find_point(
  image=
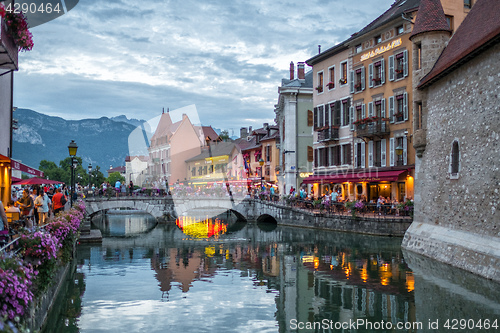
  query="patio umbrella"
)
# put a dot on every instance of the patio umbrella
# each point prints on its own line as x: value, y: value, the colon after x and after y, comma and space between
x: 36, y: 181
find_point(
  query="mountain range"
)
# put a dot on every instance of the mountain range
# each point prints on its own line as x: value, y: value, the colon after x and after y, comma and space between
x: 103, y: 141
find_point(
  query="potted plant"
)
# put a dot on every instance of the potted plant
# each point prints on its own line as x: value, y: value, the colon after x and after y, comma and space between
x: 330, y: 85
x: 17, y: 28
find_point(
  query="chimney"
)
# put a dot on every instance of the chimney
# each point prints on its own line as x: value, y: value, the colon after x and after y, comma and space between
x: 243, y: 132
x: 300, y: 71
x: 319, y: 49
x: 292, y: 70
x: 250, y: 130
x: 184, y: 116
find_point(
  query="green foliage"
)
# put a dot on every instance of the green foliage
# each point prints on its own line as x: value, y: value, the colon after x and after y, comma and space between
x: 62, y: 172
x: 113, y: 177
x: 224, y: 135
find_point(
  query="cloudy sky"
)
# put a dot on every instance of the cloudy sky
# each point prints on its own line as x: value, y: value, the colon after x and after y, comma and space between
x: 113, y: 57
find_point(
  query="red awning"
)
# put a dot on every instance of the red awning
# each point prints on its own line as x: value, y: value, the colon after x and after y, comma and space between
x: 380, y: 176
x: 24, y: 168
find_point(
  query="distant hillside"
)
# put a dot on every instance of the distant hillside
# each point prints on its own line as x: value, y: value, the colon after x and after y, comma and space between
x: 102, y: 141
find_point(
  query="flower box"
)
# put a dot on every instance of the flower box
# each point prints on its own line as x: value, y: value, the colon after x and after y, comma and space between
x: 8, y: 49
x: 330, y: 85
x: 343, y: 81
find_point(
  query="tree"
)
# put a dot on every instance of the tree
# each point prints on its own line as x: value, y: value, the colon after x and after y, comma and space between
x: 97, y: 178
x: 113, y: 177
x: 224, y: 135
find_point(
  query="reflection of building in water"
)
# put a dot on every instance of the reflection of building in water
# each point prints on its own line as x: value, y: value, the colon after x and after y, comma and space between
x: 198, y: 228
x: 320, y: 284
x: 182, y: 266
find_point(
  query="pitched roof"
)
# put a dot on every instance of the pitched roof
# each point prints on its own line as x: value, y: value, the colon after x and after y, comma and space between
x: 398, y: 8
x: 210, y: 132
x: 479, y: 31
x: 120, y: 169
x: 163, y: 128
x: 430, y: 17
x: 219, y: 149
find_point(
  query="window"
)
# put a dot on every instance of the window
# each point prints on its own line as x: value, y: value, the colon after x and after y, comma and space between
x: 418, y: 115
x: 211, y: 169
x: 358, y: 80
x: 346, y: 154
x: 268, y: 153
x: 398, y: 107
x: 205, y: 170
x: 193, y: 172
x: 398, y: 66
x: 345, y: 112
x: 455, y: 160
x: 449, y: 20
x: 378, y: 39
x: 376, y: 73
x: 310, y: 154
x: 321, y: 114
x: 359, y: 48
x: 418, y: 63
x: 331, y: 74
x: 359, y: 155
x: 319, y: 87
x: 398, y: 115
x: 310, y: 118
x: 400, y: 30
x: 468, y: 4
x: 399, y: 157
x: 359, y: 112
x: 343, y: 79
x: 377, y: 155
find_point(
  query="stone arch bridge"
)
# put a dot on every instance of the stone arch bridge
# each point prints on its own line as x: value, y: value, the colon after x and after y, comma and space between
x: 249, y: 209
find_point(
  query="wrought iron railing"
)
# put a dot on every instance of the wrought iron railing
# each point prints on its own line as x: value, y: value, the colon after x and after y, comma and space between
x: 378, y: 127
x: 328, y: 134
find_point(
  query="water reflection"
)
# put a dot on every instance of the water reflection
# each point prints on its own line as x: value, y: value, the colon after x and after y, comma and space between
x: 124, y: 223
x: 250, y: 280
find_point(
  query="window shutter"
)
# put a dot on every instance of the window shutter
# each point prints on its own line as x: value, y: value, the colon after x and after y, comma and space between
x: 363, y: 111
x: 405, y: 63
x: 363, y: 147
x: 383, y: 148
x: 370, y: 109
x: 405, y: 151
x: 320, y: 114
x: 391, y: 109
x: 310, y: 118
x: 391, y: 152
x: 382, y: 71
x: 315, y: 115
x: 382, y: 109
x: 327, y: 115
x: 351, y: 113
x: 370, y: 154
x: 363, y: 78
x: 391, y: 68
x: 315, y: 158
x: 405, y: 105
x: 310, y: 154
x: 337, y: 113
x: 349, y: 153
x: 370, y: 75
x: 356, y: 157
x: 351, y: 82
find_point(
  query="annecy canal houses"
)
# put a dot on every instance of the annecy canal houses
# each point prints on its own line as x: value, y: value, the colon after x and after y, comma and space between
x: 363, y: 110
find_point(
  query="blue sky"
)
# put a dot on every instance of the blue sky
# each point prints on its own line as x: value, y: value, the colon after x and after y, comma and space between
x: 107, y: 58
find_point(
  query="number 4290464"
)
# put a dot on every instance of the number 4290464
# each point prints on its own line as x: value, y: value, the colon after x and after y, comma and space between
x: 33, y: 8
x: 462, y: 324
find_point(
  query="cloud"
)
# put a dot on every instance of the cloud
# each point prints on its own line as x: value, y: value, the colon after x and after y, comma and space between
x: 106, y: 58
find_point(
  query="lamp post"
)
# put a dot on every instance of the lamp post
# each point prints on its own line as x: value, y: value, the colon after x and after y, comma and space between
x: 90, y: 174
x: 72, y: 148
x: 261, y: 162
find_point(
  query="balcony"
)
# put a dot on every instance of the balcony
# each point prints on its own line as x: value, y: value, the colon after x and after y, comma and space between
x: 328, y: 134
x: 375, y: 127
x: 8, y: 49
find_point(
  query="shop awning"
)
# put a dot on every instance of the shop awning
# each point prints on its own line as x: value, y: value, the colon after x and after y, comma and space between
x: 376, y: 176
x: 24, y: 168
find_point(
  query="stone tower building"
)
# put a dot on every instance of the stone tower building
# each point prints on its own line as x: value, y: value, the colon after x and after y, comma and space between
x: 457, y: 172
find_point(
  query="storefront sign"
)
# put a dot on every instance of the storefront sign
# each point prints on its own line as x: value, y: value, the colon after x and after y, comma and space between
x: 381, y: 49
x: 24, y: 168
x: 305, y: 174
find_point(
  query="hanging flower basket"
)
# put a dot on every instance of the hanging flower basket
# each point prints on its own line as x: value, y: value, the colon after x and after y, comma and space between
x: 17, y: 28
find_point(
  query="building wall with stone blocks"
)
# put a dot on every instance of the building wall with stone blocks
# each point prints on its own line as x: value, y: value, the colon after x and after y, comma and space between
x: 457, y: 218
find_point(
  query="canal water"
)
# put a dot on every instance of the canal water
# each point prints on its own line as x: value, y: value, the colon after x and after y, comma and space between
x: 222, y: 275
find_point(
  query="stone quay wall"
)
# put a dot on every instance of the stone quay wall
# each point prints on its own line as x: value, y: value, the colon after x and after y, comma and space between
x: 457, y: 215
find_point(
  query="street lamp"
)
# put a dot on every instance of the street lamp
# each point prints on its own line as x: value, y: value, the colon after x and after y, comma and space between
x: 90, y: 174
x: 261, y: 162
x: 72, y: 148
